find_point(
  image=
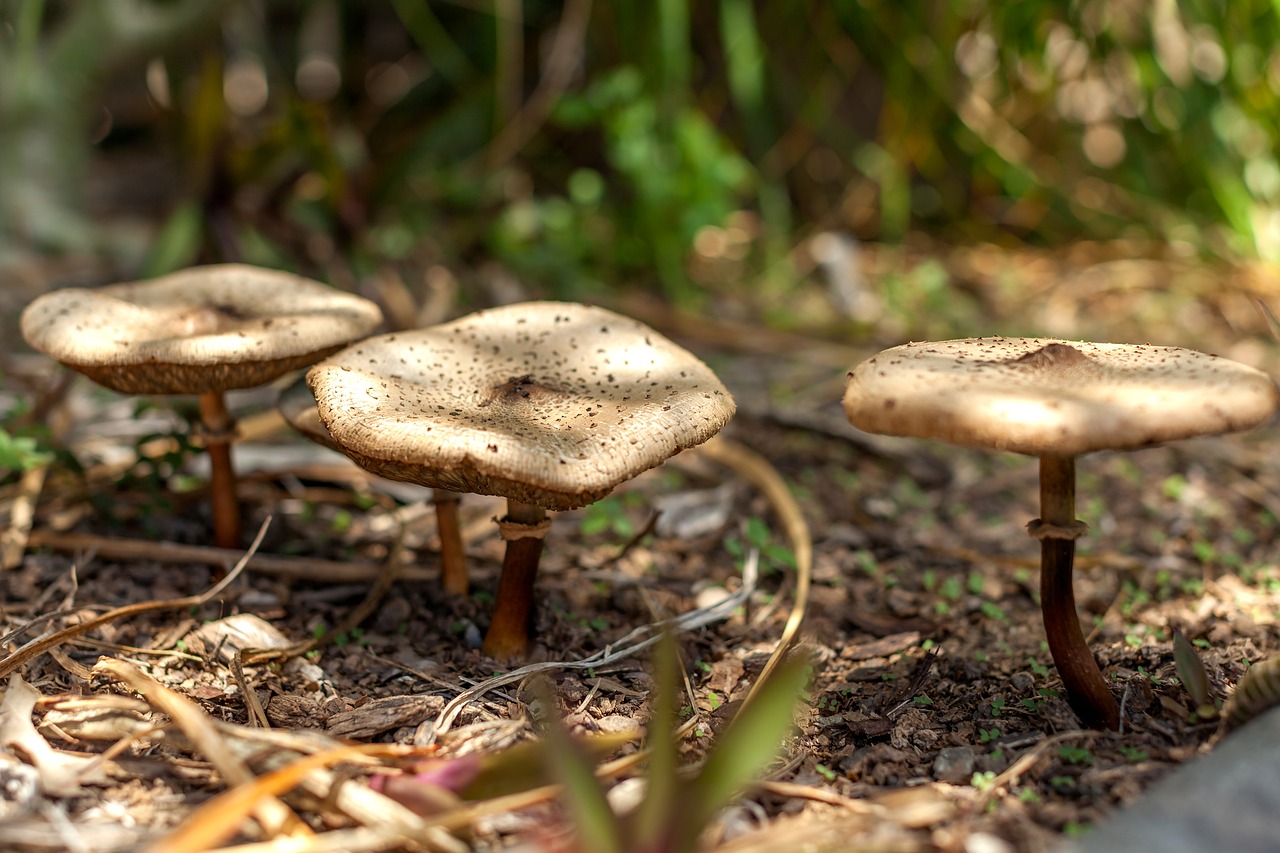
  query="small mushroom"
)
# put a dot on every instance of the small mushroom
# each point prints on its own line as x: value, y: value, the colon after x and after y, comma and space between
x: 298, y: 406
x: 1056, y: 400
x: 550, y: 405
x: 205, y: 331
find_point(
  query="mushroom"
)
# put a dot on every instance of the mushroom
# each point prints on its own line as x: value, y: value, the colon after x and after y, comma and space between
x: 550, y: 405
x: 1055, y: 400
x: 298, y: 406
x: 205, y: 331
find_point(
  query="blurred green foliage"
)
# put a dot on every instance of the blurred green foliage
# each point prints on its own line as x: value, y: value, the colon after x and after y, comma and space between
x: 691, y: 147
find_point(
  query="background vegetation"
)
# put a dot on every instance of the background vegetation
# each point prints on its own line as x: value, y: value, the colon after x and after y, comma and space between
x: 719, y: 148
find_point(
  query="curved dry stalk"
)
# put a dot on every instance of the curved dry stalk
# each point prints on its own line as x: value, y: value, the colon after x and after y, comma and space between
x: 757, y: 470
x: 42, y: 644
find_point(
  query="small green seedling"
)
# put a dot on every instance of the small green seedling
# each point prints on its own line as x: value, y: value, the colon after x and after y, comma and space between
x: 1074, y: 754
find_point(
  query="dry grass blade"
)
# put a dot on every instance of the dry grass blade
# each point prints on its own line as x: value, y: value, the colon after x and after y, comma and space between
x: 217, y: 819
x: 42, y: 644
x: 337, y: 841
x: 757, y: 470
x: 204, y: 735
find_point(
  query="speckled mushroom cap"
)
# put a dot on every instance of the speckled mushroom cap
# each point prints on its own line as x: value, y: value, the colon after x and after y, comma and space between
x: 211, y: 328
x: 298, y: 406
x: 547, y: 403
x: 1042, y: 397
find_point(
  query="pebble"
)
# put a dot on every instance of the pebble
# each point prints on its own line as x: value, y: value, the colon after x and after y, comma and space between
x: 1227, y: 800
x: 617, y: 724
x: 954, y: 764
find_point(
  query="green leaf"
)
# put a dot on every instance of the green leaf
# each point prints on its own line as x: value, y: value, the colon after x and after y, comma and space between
x: 656, y: 816
x: 20, y: 453
x: 583, y: 795
x: 178, y: 243
x: 749, y: 743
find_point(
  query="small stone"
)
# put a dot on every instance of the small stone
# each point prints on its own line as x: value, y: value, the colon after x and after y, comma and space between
x: 617, y: 724
x: 627, y: 795
x: 954, y: 764
x: 985, y: 842
x: 393, y: 613
x: 471, y: 636
x: 710, y: 596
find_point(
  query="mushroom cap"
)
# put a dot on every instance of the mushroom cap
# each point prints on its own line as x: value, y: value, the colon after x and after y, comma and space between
x: 297, y: 405
x: 211, y: 328
x: 547, y: 403
x: 1047, y: 397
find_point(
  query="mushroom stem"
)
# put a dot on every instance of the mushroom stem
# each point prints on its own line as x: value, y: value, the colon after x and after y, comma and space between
x: 453, y: 560
x: 219, y: 430
x: 1057, y: 529
x: 512, y: 624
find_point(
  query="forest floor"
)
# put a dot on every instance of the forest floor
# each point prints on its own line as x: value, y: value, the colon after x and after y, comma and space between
x: 933, y: 720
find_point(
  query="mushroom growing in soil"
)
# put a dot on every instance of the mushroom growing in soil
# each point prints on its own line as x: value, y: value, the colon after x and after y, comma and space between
x: 1056, y: 400
x: 550, y: 405
x: 298, y: 406
x: 205, y: 331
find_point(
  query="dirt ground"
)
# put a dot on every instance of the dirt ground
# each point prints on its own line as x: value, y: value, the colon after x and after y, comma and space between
x: 933, y: 720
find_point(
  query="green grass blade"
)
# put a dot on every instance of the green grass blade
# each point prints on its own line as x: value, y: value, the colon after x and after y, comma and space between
x: 744, y: 749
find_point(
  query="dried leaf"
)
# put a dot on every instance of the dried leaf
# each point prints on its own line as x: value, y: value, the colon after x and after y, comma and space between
x: 1193, y: 675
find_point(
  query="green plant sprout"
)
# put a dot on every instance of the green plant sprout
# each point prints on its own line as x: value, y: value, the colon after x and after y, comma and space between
x: 756, y: 535
x: 1074, y: 754
x: 21, y: 453
x: 677, y: 806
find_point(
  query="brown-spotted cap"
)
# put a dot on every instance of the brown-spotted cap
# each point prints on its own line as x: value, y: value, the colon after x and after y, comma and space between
x: 297, y: 405
x: 548, y: 403
x: 1045, y: 397
x: 211, y: 328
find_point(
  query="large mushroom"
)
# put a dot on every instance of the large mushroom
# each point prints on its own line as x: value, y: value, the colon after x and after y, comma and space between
x: 1056, y: 400
x: 550, y: 405
x: 205, y: 331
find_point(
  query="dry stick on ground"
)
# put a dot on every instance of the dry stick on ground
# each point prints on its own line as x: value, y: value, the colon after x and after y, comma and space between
x: 217, y: 819
x: 42, y: 644
x: 325, y: 571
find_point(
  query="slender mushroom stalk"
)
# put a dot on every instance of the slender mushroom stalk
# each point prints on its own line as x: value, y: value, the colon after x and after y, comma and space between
x: 453, y: 559
x: 524, y: 528
x: 219, y: 432
x: 1057, y: 529
x: 1056, y: 400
